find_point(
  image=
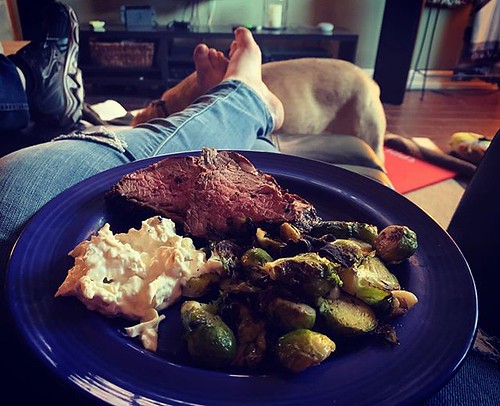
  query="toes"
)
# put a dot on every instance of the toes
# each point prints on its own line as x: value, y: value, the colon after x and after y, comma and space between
x: 244, y: 37
x: 218, y: 60
x: 212, y: 56
x: 201, y: 58
x: 243, y: 40
x: 232, y: 48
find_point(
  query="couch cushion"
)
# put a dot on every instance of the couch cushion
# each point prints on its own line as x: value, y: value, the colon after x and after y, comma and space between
x: 346, y: 151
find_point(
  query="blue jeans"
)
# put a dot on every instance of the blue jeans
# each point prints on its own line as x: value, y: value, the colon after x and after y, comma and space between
x: 33, y: 176
x: 14, y: 110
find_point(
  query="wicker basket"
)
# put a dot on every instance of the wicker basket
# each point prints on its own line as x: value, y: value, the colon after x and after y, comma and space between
x: 125, y: 54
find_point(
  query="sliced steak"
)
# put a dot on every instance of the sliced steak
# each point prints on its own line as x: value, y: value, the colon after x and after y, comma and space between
x: 213, y: 194
x: 163, y: 188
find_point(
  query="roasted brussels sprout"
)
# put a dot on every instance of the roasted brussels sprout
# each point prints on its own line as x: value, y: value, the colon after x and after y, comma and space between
x: 403, y: 301
x: 293, y: 248
x: 286, y: 292
x: 255, y: 258
x: 228, y: 254
x: 364, y: 246
x: 194, y: 313
x: 266, y: 242
x: 237, y: 286
x: 198, y: 286
x: 303, y: 348
x: 249, y: 329
x: 253, y: 261
x: 252, y: 343
x: 289, y: 232
x: 289, y: 315
x: 396, y: 243
x: 370, y: 281
x: 346, y: 229
x: 210, y: 341
x: 347, y: 316
x: 314, y: 275
x: 344, y: 252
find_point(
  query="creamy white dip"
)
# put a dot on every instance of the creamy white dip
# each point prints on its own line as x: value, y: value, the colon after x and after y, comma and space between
x: 130, y: 274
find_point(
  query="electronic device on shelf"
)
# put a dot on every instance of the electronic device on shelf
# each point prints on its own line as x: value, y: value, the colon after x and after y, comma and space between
x: 138, y: 16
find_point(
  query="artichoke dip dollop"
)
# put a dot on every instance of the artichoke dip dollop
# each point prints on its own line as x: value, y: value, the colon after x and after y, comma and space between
x: 134, y: 274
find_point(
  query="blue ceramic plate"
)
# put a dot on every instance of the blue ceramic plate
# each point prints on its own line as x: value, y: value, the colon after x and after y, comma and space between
x: 91, y: 352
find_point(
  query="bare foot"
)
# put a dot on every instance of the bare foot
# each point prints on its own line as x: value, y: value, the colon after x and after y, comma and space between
x: 245, y: 64
x: 211, y: 66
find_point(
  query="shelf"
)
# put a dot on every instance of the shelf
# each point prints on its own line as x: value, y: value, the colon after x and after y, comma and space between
x: 131, y: 81
x: 173, y: 56
x: 94, y: 69
x: 180, y: 59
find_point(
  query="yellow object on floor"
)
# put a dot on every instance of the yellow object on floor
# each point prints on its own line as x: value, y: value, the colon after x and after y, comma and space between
x: 469, y: 146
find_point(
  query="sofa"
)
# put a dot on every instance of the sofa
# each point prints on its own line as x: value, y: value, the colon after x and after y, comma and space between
x: 346, y: 151
x: 472, y: 229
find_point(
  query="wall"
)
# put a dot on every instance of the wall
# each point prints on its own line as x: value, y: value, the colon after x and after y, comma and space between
x: 448, y: 37
x: 361, y: 16
x: 6, y: 31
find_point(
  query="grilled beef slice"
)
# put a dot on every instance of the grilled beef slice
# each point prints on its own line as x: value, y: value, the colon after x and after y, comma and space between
x: 211, y: 195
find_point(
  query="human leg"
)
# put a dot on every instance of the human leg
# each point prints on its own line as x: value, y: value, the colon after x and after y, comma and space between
x: 211, y: 66
x: 234, y: 109
x: 246, y: 66
x: 14, y: 110
x: 232, y: 115
x: 243, y: 71
x: 50, y: 66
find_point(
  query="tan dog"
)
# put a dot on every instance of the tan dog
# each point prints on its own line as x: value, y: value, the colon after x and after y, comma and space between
x: 319, y: 95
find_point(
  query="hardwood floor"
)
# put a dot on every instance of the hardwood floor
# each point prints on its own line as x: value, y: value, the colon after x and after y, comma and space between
x: 444, y: 112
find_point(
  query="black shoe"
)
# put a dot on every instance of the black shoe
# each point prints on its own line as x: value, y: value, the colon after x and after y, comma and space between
x: 53, y: 80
